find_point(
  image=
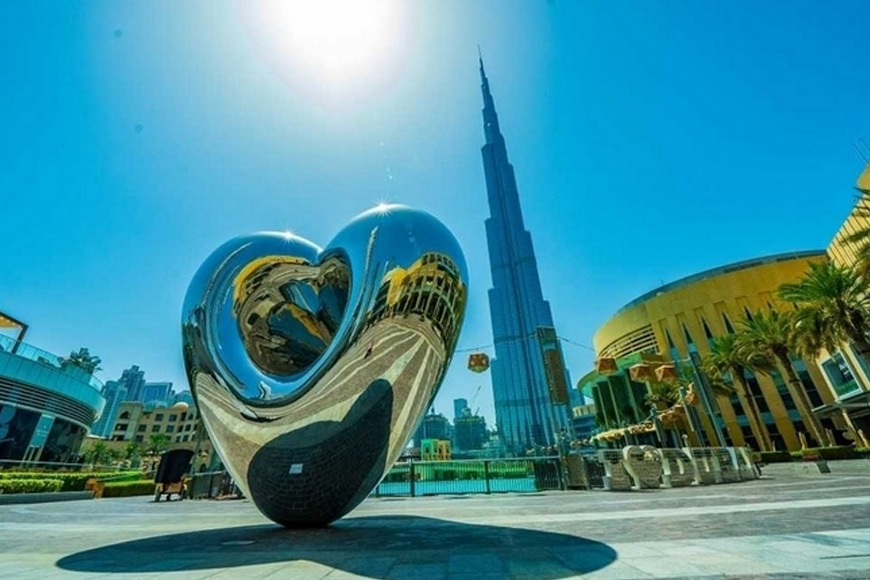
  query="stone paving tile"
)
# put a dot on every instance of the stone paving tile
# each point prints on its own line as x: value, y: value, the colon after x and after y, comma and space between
x: 376, y: 566
x: 475, y: 563
x: 418, y: 572
x: 666, y: 567
x: 803, y: 531
x: 618, y: 570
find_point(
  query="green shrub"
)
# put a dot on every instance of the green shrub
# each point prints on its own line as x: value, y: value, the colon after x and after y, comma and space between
x: 862, y: 451
x: 72, y: 481
x: 128, y: 488
x: 29, y: 485
x: 771, y: 457
x: 829, y: 453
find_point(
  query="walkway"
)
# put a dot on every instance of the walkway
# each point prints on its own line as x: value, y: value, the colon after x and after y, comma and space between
x: 809, y: 528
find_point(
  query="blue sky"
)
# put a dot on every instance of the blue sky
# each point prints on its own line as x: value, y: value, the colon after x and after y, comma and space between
x: 650, y: 141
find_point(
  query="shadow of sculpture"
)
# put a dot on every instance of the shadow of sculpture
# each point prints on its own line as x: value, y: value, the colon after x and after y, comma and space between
x: 376, y: 547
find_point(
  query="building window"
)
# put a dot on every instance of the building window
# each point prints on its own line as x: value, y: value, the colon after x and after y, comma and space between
x: 121, y: 427
x: 158, y: 417
x: 184, y: 416
x: 124, y: 415
x: 170, y: 428
x: 728, y: 327
x: 755, y: 392
x: 707, y: 334
x: 809, y: 386
x: 141, y: 428
x: 840, y: 375
x: 155, y: 428
x: 173, y: 418
x: 689, y: 342
x: 178, y: 438
x: 139, y: 438
x: 186, y: 438
x: 187, y: 427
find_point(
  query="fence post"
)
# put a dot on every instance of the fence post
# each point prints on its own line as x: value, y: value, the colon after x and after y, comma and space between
x: 486, y: 475
x: 412, y: 478
x: 561, y: 465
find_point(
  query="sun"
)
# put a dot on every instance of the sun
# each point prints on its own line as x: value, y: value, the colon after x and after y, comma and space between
x: 331, y: 42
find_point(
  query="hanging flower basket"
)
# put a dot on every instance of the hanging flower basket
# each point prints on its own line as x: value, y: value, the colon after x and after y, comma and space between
x: 606, y: 365
x: 478, y: 362
x: 666, y: 373
x: 641, y: 372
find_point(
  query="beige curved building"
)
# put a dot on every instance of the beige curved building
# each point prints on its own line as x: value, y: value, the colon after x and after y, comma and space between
x: 677, y: 321
x: 681, y: 319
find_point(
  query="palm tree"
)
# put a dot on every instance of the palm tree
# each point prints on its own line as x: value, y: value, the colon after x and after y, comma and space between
x: 833, y: 308
x: 663, y: 395
x: 157, y: 444
x: 772, y: 335
x: 98, y: 454
x: 131, y: 450
x: 861, y: 238
x: 727, y: 357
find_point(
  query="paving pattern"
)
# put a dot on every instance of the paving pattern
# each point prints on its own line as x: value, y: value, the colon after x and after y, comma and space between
x: 809, y: 527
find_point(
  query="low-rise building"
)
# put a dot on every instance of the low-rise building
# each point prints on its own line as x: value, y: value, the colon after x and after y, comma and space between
x: 435, y: 450
x: 47, y: 402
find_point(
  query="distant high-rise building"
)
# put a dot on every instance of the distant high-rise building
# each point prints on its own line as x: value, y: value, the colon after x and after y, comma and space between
x: 522, y: 324
x: 134, y: 380
x: 469, y: 432
x: 115, y: 393
x: 433, y: 426
x: 459, y: 405
x: 161, y: 393
x: 183, y: 397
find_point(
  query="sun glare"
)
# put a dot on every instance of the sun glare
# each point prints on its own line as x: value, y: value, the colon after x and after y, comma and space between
x: 331, y: 41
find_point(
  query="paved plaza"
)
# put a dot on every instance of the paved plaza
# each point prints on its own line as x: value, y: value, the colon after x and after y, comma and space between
x: 808, y: 527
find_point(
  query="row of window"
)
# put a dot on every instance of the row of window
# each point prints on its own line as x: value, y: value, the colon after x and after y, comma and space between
x: 178, y: 438
x: 155, y: 428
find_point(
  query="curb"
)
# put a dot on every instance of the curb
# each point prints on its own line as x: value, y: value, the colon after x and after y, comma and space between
x: 20, y: 498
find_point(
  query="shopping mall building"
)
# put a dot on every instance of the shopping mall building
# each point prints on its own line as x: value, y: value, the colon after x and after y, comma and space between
x: 47, y: 403
x: 675, y: 325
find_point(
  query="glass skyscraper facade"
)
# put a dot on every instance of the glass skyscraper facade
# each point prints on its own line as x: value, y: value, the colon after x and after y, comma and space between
x: 525, y: 415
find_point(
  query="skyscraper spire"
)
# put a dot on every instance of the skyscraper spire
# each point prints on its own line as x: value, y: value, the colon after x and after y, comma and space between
x: 490, y: 118
x: 525, y: 414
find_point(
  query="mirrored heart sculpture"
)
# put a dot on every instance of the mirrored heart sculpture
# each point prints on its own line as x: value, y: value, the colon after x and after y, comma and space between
x: 312, y: 367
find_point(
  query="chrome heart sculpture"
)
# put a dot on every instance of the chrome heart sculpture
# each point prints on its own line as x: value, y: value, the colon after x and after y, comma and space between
x: 311, y: 368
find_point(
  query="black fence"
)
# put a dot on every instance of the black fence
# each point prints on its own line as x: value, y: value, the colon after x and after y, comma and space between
x: 211, y: 485
x: 421, y: 478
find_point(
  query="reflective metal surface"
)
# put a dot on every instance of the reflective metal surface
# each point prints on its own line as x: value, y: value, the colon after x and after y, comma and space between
x: 311, y: 368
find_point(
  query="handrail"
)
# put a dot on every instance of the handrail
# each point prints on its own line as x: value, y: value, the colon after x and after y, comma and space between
x: 9, y: 345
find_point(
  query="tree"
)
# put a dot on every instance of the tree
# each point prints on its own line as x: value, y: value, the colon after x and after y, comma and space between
x: 98, y: 454
x: 84, y: 360
x: 772, y: 335
x: 131, y: 450
x: 729, y: 361
x: 861, y: 237
x: 157, y: 444
x: 663, y: 395
x: 833, y: 309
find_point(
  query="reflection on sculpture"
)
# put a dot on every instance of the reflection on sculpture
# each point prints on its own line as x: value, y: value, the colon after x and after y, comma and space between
x: 311, y: 367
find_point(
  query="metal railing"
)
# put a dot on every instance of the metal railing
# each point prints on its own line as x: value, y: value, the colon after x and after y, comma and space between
x: 212, y: 484
x: 27, y: 351
x: 419, y: 478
